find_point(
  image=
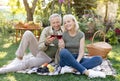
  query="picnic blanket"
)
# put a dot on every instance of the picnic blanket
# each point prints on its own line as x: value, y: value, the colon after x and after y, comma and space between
x: 105, y: 67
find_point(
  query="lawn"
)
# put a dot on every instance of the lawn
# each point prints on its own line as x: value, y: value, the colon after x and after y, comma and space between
x: 7, y: 53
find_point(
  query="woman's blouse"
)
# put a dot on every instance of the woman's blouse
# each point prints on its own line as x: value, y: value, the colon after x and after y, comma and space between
x: 72, y: 43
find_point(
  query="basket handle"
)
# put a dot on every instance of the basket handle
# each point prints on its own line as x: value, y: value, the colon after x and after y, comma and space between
x: 96, y: 33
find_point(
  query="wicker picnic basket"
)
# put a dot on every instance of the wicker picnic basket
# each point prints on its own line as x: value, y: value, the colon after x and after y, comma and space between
x: 99, y: 48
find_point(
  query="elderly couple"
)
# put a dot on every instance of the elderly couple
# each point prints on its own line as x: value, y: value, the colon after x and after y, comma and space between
x: 71, y: 48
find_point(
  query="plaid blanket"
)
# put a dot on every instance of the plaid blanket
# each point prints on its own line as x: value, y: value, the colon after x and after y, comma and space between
x: 105, y: 67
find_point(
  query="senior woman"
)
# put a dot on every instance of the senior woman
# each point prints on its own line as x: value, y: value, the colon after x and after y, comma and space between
x: 72, y: 49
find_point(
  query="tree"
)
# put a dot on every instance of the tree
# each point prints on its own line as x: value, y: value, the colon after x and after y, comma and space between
x: 16, y: 8
x: 81, y: 5
x: 30, y: 10
x: 110, y: 11
x: 23, y: 6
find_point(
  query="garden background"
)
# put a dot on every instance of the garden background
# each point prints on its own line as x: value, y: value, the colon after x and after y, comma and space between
x: 92, y: 15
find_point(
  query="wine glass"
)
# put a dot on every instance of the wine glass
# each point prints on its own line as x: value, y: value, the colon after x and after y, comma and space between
x: 59, y: 35
x: 54, y: 34
x: 51, y: 37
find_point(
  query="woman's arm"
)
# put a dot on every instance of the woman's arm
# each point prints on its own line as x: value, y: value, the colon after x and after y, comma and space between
x: 81, y: 49
x: 61, y: 44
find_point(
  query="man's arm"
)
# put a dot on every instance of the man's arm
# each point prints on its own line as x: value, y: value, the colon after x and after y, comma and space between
x: 43, y: 36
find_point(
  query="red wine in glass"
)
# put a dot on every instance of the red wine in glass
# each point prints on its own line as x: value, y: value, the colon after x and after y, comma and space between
x: 53, y: 35
x: 59, y: 36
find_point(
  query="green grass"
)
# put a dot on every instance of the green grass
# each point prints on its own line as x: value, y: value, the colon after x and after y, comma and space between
x: 7, y: 53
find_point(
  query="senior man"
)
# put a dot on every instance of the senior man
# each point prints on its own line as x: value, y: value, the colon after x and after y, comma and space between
x: 42, y: 51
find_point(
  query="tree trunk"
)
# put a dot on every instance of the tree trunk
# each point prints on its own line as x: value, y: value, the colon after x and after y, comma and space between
x: 52, y: 7
x: 69, y: 11
x: 106, y: 12
x: 30, y: 10
x: 106, y: 22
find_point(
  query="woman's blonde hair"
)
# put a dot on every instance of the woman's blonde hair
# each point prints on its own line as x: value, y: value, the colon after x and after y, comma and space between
x: 74, y: 19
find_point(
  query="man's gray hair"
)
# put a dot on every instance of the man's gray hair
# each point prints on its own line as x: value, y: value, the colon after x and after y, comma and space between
x: 55, y: 15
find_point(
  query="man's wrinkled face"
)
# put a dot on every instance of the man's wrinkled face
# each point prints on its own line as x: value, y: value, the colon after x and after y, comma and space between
x: 55, y: 23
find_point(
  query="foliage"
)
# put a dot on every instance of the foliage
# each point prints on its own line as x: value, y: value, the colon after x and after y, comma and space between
x: 45, y: 22
x: 117, y: 24
x: 6, y: 24
x: 7, y: 27
x: 100, y: 27
x: 43, y: 13
x: 77, y: 7
x: 16, y: 7
x: 84, y: 22
x: 23, y: 7
x: 81, y: 5
x: 118, y: 11
x: 42, y: 20
x: 83, y: 25
x: 111, y: 36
